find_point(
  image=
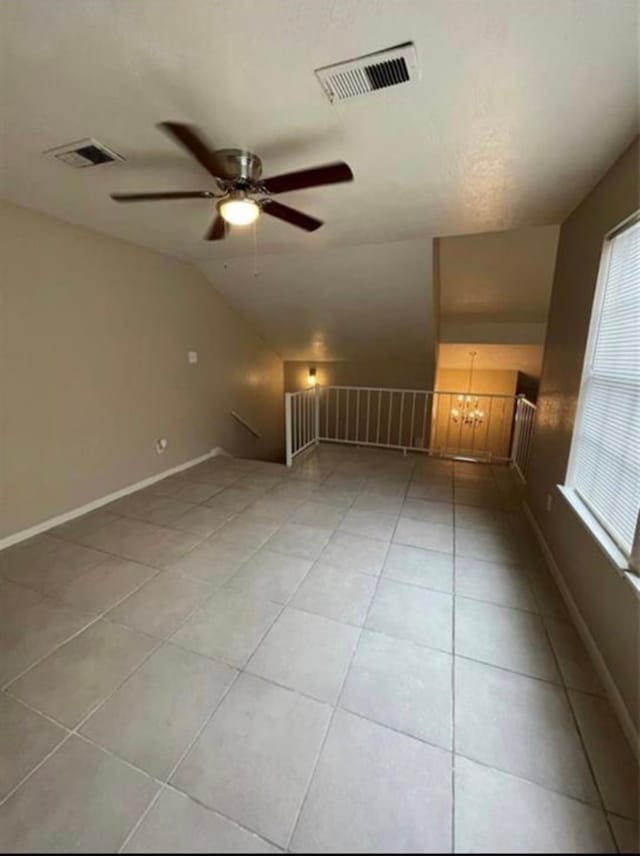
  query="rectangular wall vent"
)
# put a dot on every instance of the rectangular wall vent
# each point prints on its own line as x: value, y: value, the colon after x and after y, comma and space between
x: 83, y: 153
x: 369, y: 73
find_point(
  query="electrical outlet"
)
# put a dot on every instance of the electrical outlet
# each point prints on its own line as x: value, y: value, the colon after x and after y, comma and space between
x: 161, y: 445
x: 549, y: 502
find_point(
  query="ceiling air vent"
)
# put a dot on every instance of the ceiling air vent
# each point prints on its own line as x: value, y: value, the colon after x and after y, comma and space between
x: 368, y: 73
x: 83, y: 153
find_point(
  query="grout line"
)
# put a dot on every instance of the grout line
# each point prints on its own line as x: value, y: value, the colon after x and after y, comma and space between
x: 161, y: 643
x: 453, y: 683
x: 581, y: 740
x: 164, y: 781
x: 338, y: 701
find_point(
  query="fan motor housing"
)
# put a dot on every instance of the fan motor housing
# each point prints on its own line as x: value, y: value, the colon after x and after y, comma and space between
x: 240, y: 165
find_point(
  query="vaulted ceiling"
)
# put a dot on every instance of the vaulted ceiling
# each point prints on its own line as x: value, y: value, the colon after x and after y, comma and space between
x: 520, y: 107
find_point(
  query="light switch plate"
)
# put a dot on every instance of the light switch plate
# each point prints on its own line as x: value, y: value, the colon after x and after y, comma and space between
x: 192, y: 356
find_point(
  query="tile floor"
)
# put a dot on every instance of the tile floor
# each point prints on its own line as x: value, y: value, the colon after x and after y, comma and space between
x: 362, y: 654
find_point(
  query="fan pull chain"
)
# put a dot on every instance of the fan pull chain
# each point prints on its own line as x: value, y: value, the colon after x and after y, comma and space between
x: 255, y: 248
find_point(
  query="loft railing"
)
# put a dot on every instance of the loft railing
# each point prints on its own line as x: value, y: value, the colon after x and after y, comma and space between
x: 475, y: 426
x: 522, y: 436
x: 301, y: 413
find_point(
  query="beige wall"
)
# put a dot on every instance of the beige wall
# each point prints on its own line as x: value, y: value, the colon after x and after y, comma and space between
x: 94, y: 334
x: 605, y: 600
x: 394, y: 374
x: 493, y: 436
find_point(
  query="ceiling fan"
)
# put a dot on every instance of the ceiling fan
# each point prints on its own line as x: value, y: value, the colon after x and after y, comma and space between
x: 238, y: 178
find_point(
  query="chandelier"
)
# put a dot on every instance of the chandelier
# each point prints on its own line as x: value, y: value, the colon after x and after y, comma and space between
x: 467, y: 410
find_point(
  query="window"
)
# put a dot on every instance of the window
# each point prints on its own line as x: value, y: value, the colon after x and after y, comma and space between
x: 604, y: 465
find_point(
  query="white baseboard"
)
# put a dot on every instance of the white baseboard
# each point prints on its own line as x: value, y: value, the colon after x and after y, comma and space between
x: 16, y: 537
x: 625, y: 718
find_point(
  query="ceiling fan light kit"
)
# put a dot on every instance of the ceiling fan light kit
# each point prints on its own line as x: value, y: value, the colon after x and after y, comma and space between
x: 238, y: 178
x: 238, y: 209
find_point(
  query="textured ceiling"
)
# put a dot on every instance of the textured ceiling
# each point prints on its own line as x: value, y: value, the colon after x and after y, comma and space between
x: 521, y: 107
x: 371, y: 301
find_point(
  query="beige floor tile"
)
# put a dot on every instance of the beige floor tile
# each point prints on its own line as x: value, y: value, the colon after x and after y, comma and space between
x: 547, y: 595
x: 478, y: 495
x: 426, y: 568
x: 509, y: 638
x: 334, y: 496
x: 85, y: 525
x: 81, y: 800
x: 270, y: 576
x: 246, y: 533
x: 161, y: 605
x: 32, y: 631
x: 577, y: 670
x: 376, y: 791
x: 212, y: 561
x: 104, y: 585
x: 229, y: 627
x: 153, y: 717
x: 379, y: 503
x: 408, y: 612
x: 233, y: 499
x: 428, y: 536
x: 344, y: 550
x: 499, y: 813
x: 261, y: 481
x: 69, y: 683
x: 306, y: 652
x: 469, y: 517
x: 434, y: 492
x: 25, y: 553
x: 312, y: 513
x: 369, y: 524
x: 272, y: 509
x: 506, y: 585
x: 522, y: 726
x: 402, y: 685
x: 177, y: 824
x: 254, y: 759
x: 386, y: 486
x: 198, y: 491
x: 45, y: 569
x: 201, y: 520
x: 614, y: 766
x: 431, y: 511
x: 142, y: 542
x: 626, y: 833
x: 336, y: 593
x: 25, y: 739
x: 161, y: 510
x: 15, y: 599
x: 295, y: 539
x: 488, y: 545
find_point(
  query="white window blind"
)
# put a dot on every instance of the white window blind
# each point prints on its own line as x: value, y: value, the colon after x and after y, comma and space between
x: 604, y: 467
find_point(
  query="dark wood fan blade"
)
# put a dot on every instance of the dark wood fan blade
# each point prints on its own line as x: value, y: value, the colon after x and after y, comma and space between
x: 331, y: 173
x: 217, y: 231
x: 290, y: 215
x: 149, y: 197
x: 191, y: 140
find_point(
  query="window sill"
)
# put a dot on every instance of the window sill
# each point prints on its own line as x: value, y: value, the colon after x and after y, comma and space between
x: 608, y: 546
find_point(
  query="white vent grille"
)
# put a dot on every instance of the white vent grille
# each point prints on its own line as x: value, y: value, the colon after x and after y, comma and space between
x: 369, y: 73
x: 83, y: 153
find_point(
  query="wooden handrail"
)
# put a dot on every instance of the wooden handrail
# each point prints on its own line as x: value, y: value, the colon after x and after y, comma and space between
x: 245, y: 424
